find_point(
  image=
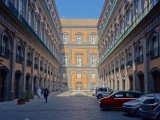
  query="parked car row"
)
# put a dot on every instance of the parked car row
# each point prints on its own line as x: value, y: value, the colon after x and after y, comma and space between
x: 137, y: 103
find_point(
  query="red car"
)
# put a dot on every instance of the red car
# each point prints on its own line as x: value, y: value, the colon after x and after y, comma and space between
x: 117, y: 98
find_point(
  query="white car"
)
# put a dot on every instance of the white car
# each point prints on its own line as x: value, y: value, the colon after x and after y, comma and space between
x: 102, y: 92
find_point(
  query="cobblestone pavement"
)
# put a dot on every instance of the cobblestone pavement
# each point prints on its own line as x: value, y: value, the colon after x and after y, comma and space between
x: 60, y: 107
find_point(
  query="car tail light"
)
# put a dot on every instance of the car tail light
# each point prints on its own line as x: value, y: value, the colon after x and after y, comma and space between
x: 153, y: 107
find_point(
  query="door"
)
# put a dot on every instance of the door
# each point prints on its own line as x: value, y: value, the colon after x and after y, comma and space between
x: 105, y: 92
x: 1, y: 88
x: 16, y: 88
x: 118, y: 99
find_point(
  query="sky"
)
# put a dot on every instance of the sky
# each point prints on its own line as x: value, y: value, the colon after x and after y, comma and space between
x: 83, y: 9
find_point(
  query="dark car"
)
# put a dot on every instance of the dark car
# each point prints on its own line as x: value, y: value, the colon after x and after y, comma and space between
x: 150, y: 107
x: 117, y: 98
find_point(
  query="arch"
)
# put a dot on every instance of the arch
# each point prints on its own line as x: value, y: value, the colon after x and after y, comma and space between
x: 155, y: 80
x: 17, y: 79
x: 4, y: 83
x: 130, y: 82
x: 140, y: 81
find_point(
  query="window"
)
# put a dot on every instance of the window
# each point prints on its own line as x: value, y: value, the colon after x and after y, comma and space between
x: 122, y: 27
x: 93, y: 39
x: 29, y: 18
x: 4, y: 46
x: 93, y: 85
x: 64, y: 60
x: 65, y: 39
x: 64, y: 75
x: 116, y: 34
x: 128, y: 21
x: 19, y: 54
x: 129, y: 57
x: 20, y: 7
x: 79, y: 39
x: 93, y: 61
x: 79, y: 59
x: 93, y: 76
x: 36, y: 26
x: 28, y: 56
x: 119, y: 95
x: 129, y: 95
x: 79, y: 76
x: 155, y: 45
x: 139, y: 51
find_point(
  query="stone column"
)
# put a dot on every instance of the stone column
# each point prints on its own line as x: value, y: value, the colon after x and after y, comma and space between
x: 120, y: 76
x: 134, y: 67
x: 47, y: 75
x: 12, y: 68
x: 38, y: 75
x: 43, y: 65
x: 126, y: 69
x: 115, y: 75
x: 32, y: 73
x: 23, y: 92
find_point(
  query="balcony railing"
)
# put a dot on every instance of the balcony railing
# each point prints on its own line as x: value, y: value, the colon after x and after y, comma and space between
x: 154, y: 52
x: 130, y: 28
x: 140, y: 59
x: 19, y: 58
x: 117, y: 69
x: 29, y: 63
x: 4, y: 51
x: 112, y: 71
x: 41, y: 68
x: 35, y: 66
x: 122, y: 67
x: 26, y: 25
x: 129, y: 63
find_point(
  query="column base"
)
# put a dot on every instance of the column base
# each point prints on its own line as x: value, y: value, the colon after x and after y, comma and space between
x: 11, y: 95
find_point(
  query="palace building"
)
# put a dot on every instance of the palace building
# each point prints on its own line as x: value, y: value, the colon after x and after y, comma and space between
x: 30, y: 38
x: 120, y: 50
x: 129, y: 45
x: 79, y: 53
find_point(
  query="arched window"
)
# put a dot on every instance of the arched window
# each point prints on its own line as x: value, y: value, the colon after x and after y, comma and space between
x: 121, y: 27
x: 122, y: 63
x: 19, y: 54
x: 29, y: 63
x: 154, y: 47
x: 64, y: 75
x: 93, y: 76
x: 139, y: 55
x: 128, y: 19
x: 5, y: 50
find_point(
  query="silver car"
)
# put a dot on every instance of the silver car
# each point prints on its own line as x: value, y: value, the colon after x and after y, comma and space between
x: 150, y: 108
x: 102, y: 92
x: 132, y: 107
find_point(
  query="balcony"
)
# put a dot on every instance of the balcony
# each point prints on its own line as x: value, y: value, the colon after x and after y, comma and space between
x: 140, y: 59
x: 19, y: 58
x: 129, y: 63
x: 154, y: 53
x: 122, y: 67
x: 117, y: 69
x: 127, y: 32
x: 41, y: 68
x: 4, y: 51
x: 35, y: 66
x: 15, y: 12
x: 29, y: 63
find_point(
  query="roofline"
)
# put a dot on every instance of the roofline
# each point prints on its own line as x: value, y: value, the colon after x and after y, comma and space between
x: 104, y: 5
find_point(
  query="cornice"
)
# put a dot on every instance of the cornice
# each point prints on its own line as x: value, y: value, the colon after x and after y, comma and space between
x: 79, y: 26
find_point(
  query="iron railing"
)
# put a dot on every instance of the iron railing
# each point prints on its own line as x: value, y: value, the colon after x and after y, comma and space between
x: 29, y: 63
x: 4, y: 51
x: 140, y: 59
x: 129, y: 63
x: 35, y: 66
x: 19, y: 58
x: 154, y: 52
x: 129, y: 29
x: 122, y: 67
x: 117, y: 69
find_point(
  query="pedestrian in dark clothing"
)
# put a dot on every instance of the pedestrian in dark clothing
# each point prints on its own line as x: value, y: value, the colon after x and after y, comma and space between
x: 46, y: 92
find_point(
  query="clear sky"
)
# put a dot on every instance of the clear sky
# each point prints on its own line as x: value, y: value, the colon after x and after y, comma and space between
x: 79, y: 8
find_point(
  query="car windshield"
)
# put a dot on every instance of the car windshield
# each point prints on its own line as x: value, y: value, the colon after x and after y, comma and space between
x: 149, y: 100
x: 141, y: 98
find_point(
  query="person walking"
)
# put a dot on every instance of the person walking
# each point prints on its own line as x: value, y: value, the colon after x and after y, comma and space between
x: 46, y: 92
x: 39, y: 92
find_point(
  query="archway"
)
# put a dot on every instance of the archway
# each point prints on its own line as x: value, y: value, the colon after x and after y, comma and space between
x: 156, y: 79
x: 141, y: 82
x: 130, y: 83
x: 16, y: 83
x: 3, y: 74
x: 27, y: 84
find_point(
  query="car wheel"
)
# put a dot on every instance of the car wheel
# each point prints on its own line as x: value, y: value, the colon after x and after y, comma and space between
x: 105, y: 107
x: 158, y: 118
x: 99, y: 96
x: 137, y: 112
